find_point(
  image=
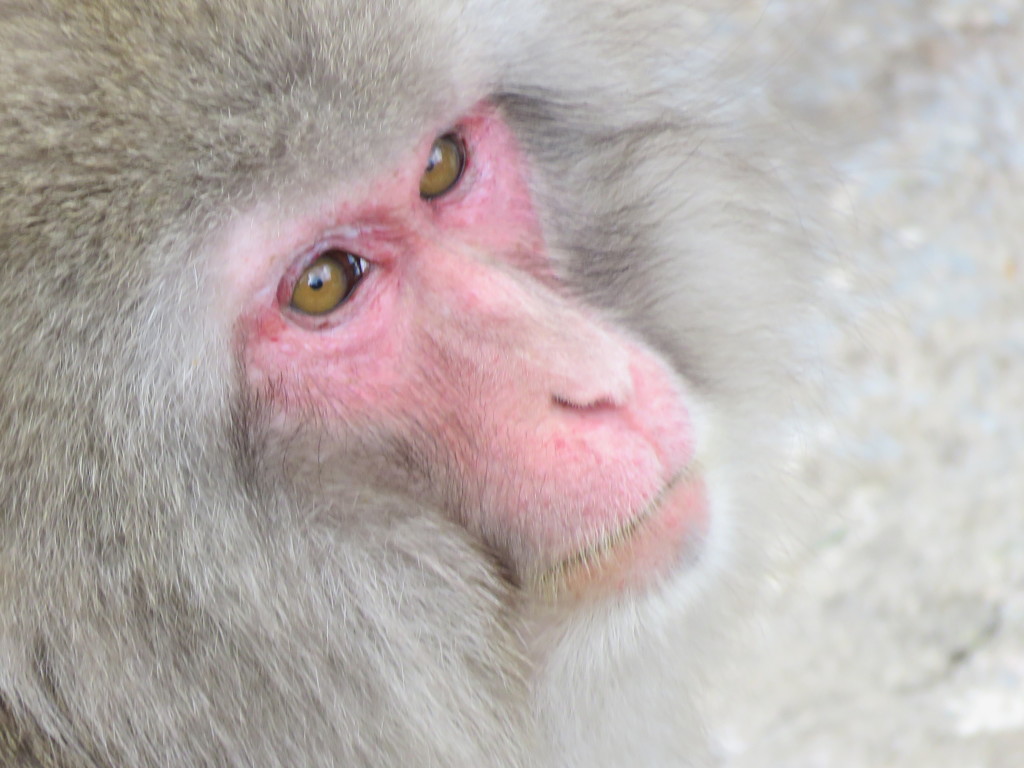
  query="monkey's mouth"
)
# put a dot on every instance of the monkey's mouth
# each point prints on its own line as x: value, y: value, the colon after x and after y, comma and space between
x: 646, y: 548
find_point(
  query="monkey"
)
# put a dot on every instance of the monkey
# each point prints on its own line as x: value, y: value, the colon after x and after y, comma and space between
x: 383, y: 383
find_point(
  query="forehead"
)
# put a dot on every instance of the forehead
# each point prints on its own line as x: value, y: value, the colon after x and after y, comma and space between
x: 263, y: 88
x: 139, y: 112
x: 336, y: 87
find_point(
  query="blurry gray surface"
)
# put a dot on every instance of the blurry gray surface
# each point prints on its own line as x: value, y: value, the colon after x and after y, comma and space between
x: 895, y: 637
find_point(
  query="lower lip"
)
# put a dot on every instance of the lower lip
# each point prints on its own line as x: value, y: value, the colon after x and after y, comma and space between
x: 660, y: 543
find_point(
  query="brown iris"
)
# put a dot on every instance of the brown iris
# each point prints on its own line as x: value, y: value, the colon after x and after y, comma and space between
x: 444, y: 167
x: 327, y: 282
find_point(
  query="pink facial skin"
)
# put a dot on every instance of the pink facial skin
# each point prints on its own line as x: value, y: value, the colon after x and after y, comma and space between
x: 564, y: 433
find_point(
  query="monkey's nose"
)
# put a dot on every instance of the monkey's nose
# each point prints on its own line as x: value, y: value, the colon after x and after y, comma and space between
x: 580, y: 380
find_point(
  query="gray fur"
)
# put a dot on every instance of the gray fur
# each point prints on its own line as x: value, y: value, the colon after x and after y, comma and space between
x: 172, y: 593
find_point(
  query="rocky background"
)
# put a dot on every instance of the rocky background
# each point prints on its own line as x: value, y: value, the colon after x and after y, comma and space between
x: 895, y: 635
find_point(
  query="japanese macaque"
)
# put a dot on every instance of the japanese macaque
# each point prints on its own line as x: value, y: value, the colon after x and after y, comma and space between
x: 381, y: 383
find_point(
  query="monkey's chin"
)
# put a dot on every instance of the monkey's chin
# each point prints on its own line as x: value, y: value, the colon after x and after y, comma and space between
x: 644, y: 552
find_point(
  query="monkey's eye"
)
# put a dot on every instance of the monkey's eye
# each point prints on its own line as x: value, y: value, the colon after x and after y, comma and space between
x: 444, y: 166
x: 327, y: 282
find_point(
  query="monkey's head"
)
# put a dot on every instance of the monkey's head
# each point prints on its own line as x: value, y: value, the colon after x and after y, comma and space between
x: 302, y: 300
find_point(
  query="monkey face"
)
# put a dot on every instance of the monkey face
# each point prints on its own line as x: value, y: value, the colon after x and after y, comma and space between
x: 439, y: 320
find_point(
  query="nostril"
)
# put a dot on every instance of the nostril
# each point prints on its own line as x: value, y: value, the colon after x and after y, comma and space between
x: 595, y: 403
x: 606, y: 389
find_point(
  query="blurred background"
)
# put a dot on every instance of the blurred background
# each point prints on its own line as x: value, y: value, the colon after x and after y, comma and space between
x: 895, y: 635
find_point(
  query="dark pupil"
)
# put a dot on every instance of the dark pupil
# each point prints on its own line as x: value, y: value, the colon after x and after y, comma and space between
x: 315, y: 282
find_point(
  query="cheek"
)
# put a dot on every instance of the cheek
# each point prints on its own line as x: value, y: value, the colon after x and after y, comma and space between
x: 350, y: 373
